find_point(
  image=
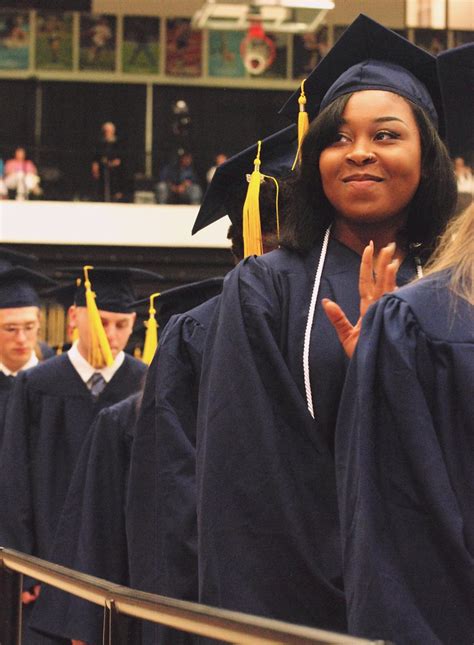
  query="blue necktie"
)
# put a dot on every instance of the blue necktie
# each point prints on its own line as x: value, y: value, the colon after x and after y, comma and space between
x: 96, y: 384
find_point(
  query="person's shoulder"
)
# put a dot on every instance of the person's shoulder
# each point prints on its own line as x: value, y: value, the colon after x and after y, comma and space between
x: 132, y: 364
x: 183, y: 326
x: 436, y: 309
x: 46, y: 351
x: 203, y: 313
x: 122, y: 412
x: 280, y: 260
x: 47, y: 373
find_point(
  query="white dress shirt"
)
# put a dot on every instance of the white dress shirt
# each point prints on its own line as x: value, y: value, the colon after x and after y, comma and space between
x: 85, y: 369
x: 32, y: 362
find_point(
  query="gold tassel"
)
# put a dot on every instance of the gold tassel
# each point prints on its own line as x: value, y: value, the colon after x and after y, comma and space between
x: 151, y: 336
x: 252, y: 230
x: 100, y: 353
x: 303, y: 124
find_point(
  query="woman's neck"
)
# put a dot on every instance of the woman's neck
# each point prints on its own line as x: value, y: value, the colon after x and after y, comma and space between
x: 356, y: 236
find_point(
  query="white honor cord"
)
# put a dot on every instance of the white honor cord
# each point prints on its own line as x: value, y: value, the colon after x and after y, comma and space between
x: 309, y: 323
x: 419, y: 268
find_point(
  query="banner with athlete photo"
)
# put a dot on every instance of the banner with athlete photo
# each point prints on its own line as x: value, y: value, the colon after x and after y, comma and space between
x: 183, y: 48
x: 54, y: 40
x: 141, y: 45
x: 14, y: 40
x: 97, y: 42
x: 224, y: 54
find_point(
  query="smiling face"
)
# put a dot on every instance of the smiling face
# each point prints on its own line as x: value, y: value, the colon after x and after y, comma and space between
x: 372, y: 171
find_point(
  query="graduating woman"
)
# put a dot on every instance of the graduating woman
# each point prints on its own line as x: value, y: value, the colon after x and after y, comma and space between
x: 372, y: 168
x: 404, y: 446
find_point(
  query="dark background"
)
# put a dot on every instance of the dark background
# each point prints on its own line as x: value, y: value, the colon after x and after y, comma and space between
x: 65, y: 5
x: 221, y: 120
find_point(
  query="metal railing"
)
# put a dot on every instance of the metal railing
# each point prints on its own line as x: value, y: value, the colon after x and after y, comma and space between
x: 117, y: 601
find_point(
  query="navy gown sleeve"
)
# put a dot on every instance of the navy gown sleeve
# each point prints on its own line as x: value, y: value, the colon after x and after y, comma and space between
x: 264, y: 545
x: 404, y: 447
x: 91, y: 535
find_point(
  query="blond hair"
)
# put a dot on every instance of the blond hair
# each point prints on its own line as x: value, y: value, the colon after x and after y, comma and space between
x: 455, y: 252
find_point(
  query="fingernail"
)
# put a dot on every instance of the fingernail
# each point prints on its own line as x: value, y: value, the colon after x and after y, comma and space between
x: 391, y: 247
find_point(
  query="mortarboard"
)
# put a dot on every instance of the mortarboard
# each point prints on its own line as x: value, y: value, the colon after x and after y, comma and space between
x: 113, y: 286
x: 370, y: 56
x: 456, y: 79
x: 226, y: 192
x: 18, y: 287
x: 61, y: 295
x: 107, y: 289
x: 187, y: 296
x: 170, y: 302
x: 183, y: 298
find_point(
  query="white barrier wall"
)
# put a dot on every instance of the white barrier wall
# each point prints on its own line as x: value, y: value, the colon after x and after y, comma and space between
x: 88, y: 223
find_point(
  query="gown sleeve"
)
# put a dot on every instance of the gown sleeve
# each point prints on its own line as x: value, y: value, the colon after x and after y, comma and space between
x: 263, y: 542
x: 405, y: 489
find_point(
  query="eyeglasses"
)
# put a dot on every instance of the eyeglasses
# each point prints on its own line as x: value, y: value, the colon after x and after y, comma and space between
x: 27, y: 328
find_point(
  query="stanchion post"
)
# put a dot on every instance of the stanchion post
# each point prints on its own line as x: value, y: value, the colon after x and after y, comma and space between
x: 117, y: 626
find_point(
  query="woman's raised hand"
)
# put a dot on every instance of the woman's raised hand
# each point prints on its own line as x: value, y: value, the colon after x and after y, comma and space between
x: 372, y: 285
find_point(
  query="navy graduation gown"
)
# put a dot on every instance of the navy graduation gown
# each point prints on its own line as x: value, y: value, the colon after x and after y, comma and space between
x: 267, y: 512
x: 6, y: 385
x: 161, y: 509
x: 404, y: 450
x: 50, y: 412
x: 91, y: 534
x: 46, y: 351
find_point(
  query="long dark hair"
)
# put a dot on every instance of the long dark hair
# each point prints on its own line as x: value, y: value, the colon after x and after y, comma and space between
x: 309, y: 212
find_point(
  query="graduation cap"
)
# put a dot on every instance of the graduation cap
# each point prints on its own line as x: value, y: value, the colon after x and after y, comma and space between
x: 226, y: 193
x: 113, y: 286
x: 108, y: 289
x: 369, y: 56
x: 10, y: 258
x: 456, y: 78
x: 170, y: 302
x: 18, y: 287
x: 62, y: 295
